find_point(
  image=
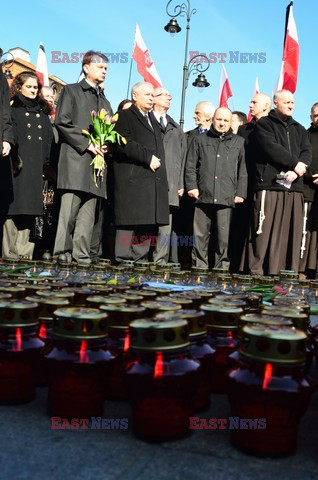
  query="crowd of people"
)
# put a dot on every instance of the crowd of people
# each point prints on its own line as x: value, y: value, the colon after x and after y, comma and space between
x: 230, y: 193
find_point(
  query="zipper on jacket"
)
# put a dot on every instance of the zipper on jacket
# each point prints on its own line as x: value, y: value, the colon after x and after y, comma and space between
x: 288, y: 139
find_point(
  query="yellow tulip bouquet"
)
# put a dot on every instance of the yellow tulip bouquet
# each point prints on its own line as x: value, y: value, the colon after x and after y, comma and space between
x: 101, y: 132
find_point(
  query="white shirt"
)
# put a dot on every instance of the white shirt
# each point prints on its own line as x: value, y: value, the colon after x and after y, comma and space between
x: 163, y: 115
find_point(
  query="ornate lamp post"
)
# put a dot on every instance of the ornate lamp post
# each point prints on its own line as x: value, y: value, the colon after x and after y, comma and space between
x: 6, y: 61
x: 173, y: 27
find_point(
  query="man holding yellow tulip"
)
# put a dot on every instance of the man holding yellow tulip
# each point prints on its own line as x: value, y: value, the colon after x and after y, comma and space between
x: 80, y: 219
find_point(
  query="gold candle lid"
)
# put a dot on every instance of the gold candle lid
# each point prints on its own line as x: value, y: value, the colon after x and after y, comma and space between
x: 252, y: 318
x: 183, y: 301
x: 120, y: 316
x: 270, y: 343
x: 94, y: 301
x: 154, y: 307
x: 288, y: 275
x: 47, y: 306
x: 79, y: 323
x: 18, y: 313
x: 32, y: 288
x: 81, y: 295
x: 16, y: 291
x: 157, y: 290
x: 222, y: 316
x: 132, y: 298
x: 263, y: 280
x: 102, y: 289
x: 196, y: 320
x: 149, y: 335
x: 229, y: 302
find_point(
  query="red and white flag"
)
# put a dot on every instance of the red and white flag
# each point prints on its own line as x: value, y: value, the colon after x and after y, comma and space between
x: 41, y: 67
x: 255, y: 92
x: 289, y: 69
x: 145, y: 65
x: 225, y: 89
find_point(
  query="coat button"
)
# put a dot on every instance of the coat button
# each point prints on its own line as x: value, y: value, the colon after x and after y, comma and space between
x: 39, y: 126
x: 216, y: 178
x: 27, y: 114
x: 40, y: 138
x: 29, y: 137
x: 29, y: 125
x: 215, y: 200
x: 218, y: 155
x: 37, y: 115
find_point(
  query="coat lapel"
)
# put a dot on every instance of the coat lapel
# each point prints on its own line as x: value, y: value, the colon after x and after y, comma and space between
x: 142, y: 118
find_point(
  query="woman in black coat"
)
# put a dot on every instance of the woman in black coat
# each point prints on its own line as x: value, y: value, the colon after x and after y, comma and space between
x: 32, y: 138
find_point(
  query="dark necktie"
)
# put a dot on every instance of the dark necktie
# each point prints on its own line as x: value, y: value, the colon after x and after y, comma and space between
x: 148, y: 120
x: 162, y: 125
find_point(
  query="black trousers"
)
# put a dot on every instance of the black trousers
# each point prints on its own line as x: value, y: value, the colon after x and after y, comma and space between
x: 133, y: 242
x: 219, y: 218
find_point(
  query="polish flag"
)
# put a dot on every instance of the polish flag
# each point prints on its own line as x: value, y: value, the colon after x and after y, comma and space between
x: 225, y: 89
x: 289, y: 69
x: 41, y: 67
x: 255, y: 92
x: 145, y: 65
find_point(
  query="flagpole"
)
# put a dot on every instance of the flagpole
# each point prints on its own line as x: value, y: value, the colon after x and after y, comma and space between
x: 129, y: 78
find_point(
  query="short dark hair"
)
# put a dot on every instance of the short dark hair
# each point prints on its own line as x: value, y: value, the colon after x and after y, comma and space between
x: 123, y: 103
x: 314, y: 106
x: 241, y: 115
x: 88, y: 57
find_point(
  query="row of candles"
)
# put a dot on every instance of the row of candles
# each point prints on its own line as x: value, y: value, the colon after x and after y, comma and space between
x: 165, y: 352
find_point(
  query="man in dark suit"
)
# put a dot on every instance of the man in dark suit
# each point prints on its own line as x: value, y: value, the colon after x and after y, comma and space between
x: 140, y: 179
x: 175, y: 146
x: 81, y: 198
x: 6, y: 139
x: 203, y: 115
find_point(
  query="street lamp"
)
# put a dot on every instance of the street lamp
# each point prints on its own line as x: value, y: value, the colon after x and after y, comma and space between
x: 6, y: 62
x: 173, y: 27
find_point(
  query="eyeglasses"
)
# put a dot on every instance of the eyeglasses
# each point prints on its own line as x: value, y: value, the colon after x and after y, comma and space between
x: 165, y: 95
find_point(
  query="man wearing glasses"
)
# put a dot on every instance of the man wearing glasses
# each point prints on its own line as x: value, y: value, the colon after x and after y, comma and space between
x: 175, y: 147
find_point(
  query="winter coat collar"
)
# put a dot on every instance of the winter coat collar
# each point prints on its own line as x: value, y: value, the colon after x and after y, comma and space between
x: 290, y: 121
x: 31, y: 104
x: 313, y: 128
x: 222, y: 136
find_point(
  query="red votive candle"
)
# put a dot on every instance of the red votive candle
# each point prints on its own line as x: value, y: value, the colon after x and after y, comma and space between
x: 163, y: 378
x: 223, y: 328
x: 119, y: 318
x: 269, y: 387
x: 20, y: 349
x: 79, y: 363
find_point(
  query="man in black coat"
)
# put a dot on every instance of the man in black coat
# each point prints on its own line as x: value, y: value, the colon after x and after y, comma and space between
x: 203, y: 115
x: 175, y: 147
x: 6, y: 139
x: 278, y: 202
x: 215, y: 175
x: 140, y: 180
x: 81, y: 197
x: 308, y: 250
x: 259, y: 107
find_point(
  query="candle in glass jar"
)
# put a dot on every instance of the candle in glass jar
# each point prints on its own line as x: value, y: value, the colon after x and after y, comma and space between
x: 79, y: 363
x: 162, y: 379
x: 20, y: 349
x: 269, y: 386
